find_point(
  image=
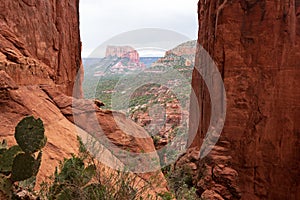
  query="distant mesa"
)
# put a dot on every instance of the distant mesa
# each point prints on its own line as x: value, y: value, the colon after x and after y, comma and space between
x: 128, y: 59
x: 123, y: 52
x: 117, y: 60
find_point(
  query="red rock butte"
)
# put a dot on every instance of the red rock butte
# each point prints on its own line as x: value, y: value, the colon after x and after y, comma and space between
x: 123, y: 52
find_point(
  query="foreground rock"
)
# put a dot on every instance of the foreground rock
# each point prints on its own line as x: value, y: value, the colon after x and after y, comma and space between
x: 183, y: 55
x: 15, y: 104
x: 256, y: 46
x: 40, y: 42
x: 55, y: 109
x: 214, y: 176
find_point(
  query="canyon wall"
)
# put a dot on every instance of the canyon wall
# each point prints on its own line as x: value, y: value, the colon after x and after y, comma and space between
x: 39, y: 60
x: 40, y: 42
x: 255, y: 45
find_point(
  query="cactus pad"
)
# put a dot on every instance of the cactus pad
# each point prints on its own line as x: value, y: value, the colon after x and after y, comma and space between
x: 23, y: 167
x: 37, y: 163
x: 29, y: 134
x: 5, y: 187
x: 3, y: 146
x: 7, y: 158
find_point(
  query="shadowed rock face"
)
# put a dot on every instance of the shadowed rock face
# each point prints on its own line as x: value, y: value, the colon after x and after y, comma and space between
x: 40, y: 42
x: 256, y: 47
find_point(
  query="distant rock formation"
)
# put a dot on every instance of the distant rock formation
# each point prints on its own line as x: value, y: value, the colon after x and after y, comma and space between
x: 117, y: 60
x: 182, y: 55
x: 181, y: 58
x: 184, y: 49
x: 161, y: 116
x: 123, y: 52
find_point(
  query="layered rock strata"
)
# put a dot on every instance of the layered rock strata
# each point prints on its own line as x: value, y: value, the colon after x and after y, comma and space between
x: 40, y: 43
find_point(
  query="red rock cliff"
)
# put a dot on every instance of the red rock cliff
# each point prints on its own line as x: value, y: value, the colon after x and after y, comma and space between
x: 39, y: 59
x: 40, y: 42
x: 256, y: 45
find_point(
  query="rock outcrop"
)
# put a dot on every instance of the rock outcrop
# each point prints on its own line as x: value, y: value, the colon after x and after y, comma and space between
x: 256, y: 45
x: 162, y: 115
x: 19, y: 101
x: 184, y: 49
x: 58, y: 112
x: 123, y: 52
x: 117, y: 60
x: 182, y: 55
x: 40, y: 42
x: 213, y: 176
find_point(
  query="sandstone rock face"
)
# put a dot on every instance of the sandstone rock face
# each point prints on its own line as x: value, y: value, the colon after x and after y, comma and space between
x: 40, y: 42
x: 123, y: 52
x: 182, y: 55
x: 256, y: 47
x: 18, y: 102
x: 213, y: 177
x: 39, y: 60
x: 56, y: 110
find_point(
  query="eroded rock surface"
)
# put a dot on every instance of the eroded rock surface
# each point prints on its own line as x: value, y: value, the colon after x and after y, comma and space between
x: 182, y: 55
x: 40, y: 42
x: 256, y: 46
x: 213, y: 176
x: 31, y: 100
x: 40, y: 48
x: 57, y: 111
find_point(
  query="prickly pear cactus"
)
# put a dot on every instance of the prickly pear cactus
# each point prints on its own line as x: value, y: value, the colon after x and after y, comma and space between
x: 18, y: 162
x: 37, y: 163
x: 5, y: 187
x: 23, y: 167
x: 29, y: 134
x: 3, y: 146
x: 7, y: 158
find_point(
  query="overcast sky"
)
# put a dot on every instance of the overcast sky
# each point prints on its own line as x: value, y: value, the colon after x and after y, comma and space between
x: 100, y: 20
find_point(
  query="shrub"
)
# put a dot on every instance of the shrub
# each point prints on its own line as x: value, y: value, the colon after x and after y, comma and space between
x: 79, y: 178
x: 180, y: 183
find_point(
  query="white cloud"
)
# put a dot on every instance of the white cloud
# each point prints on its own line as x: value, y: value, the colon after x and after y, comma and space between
x: 100, y: 20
